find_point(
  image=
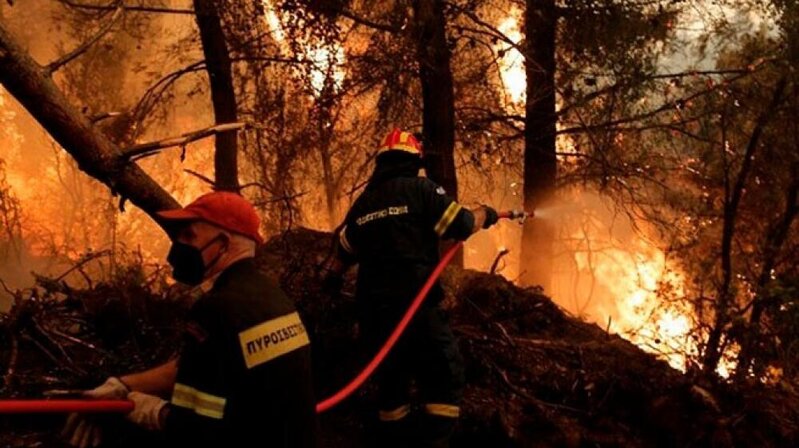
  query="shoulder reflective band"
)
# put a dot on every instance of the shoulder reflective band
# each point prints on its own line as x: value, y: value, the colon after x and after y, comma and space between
x: 395, y: 414
x: 446, y: 219
x: 345, y: 243
x: 268, y: 340
x: 200, y: 402
x: 442, y: 410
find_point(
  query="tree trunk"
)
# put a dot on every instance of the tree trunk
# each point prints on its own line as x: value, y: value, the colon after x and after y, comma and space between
x: 96, y: 155
x: 438, y: 97
x: 217, y: 62
x: 540, y: 163
x: 324, y: 123
x: 438, y: 109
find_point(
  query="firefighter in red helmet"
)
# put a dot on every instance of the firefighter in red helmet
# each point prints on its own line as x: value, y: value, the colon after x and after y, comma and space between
x: 393, y: 231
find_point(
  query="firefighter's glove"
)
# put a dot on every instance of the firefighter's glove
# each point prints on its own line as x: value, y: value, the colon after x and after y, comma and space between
x: 148, y: 411
x: 491, y: 217
x: 82, y: 430
x: 112, y: 389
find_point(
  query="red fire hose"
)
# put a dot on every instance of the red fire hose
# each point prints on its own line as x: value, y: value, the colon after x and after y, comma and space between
x: 65, y: 406
x: 400, y: 328
x: 126, y: 406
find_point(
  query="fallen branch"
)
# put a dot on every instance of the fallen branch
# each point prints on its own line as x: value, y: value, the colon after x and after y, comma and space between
x: 103, y: 116
x: 78, y: 341
x: 51, y: 356
x: 524, y: 394
x: 499, y: 326
x: 148, y: 149
x: 46, y: 336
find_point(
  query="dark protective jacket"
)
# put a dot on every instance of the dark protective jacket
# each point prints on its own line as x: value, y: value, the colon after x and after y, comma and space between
x: 393, y: 231
x: 244, y: 374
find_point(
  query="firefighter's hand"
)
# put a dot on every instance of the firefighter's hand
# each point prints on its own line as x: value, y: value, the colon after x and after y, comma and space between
x: 491, y: 217
x: 112, y: 389
x: 148, y: 411
x: 82, y: 430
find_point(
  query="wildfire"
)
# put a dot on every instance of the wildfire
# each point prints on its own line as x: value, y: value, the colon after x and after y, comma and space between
x: 326, y: 61
x: 635, y: 279
x: 511, y: 60
x: 613, y: 276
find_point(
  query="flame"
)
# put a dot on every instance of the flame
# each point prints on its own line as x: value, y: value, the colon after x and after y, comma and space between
x: 635, y: 277
x: 326, y: 61
x: 619, y: 278
x: 327, y: 64
x: 511, y: 61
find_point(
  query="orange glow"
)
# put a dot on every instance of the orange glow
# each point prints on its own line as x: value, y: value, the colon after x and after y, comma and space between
x: 511, y: 63
x: 610, y: 274
x: 326, y: 61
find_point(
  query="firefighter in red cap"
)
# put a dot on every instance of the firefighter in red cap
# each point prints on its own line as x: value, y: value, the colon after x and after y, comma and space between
x: 393, y: 232
x: 243, y: 375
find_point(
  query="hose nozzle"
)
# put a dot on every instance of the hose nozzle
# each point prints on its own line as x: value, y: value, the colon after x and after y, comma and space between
x: 519, y: 215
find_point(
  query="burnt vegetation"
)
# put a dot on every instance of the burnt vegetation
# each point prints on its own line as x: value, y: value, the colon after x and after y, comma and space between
x: 657, y: 139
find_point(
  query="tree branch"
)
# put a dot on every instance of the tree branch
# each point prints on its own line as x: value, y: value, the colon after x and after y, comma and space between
x: 67, y: 58
x: 146, y: 149
x: 201, y: 177
x: 150, y: 9
x: 367, y: 22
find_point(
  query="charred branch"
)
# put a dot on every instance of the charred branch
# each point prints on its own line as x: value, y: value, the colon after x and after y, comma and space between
x: 150, y: 148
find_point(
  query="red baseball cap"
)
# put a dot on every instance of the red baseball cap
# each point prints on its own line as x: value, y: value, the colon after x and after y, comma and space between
x: 225, y: 209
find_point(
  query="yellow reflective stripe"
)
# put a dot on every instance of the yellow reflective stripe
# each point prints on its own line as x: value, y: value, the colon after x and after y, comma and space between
x: 443, y: 410
x: 345, y: 243
x: 200, y: 402
x: 268, y: 340
x: 395, y: 414
x: 446, y: 219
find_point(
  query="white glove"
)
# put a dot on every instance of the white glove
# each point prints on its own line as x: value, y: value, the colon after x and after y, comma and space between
x: 112, y: 389
x: 82, y: 430
x: 147, y: 412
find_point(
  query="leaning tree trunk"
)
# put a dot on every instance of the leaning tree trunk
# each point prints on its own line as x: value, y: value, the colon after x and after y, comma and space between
x: 96, y: 155
x: 218, y: 65
x: 540, y: 163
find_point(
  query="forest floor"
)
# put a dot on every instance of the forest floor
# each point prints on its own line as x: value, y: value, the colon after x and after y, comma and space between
x: 536, y: 377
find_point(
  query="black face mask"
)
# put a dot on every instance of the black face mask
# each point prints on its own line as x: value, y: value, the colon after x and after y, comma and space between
x: 187, y: 261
